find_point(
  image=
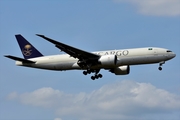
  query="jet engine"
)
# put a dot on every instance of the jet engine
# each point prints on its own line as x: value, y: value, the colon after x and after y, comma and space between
x: 122, y: 70
x: 108, y: 60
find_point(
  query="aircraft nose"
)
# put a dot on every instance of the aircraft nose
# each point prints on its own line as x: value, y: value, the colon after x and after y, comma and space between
x: 173, y: 55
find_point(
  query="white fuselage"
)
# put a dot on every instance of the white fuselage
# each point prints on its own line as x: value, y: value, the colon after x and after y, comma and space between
x: 124, y: 57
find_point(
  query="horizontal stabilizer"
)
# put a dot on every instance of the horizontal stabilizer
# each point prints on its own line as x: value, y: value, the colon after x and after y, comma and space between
x: 19, y: 59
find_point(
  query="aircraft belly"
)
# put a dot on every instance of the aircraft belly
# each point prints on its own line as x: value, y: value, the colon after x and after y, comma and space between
x: 56, y: 66
x: 63, y: 66
x: 59, y: 62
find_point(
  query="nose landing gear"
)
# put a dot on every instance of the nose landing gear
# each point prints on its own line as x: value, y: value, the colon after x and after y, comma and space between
x: 160, y: 64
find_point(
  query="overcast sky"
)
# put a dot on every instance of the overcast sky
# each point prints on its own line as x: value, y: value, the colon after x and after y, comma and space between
x: 145, y: 94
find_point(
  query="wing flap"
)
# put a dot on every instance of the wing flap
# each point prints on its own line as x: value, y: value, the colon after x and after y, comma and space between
x: 19, y: 59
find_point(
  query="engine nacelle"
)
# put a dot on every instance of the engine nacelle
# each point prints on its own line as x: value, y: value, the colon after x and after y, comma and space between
x: 108, y: 60
x: 122, y: 70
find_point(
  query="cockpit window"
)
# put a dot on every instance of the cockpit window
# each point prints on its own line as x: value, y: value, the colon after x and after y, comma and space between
x: 149, y: 48
x: 168, y: 51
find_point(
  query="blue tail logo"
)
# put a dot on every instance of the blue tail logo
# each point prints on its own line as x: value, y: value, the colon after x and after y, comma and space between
x: 27, y: 49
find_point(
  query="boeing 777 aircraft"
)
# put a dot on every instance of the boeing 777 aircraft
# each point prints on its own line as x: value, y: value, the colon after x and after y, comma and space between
x: 116, y: 61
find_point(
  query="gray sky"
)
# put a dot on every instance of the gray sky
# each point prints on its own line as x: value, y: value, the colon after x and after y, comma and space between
x: 146, y: 93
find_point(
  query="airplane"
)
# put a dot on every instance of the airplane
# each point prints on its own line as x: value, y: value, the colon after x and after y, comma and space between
x: 117, y: 62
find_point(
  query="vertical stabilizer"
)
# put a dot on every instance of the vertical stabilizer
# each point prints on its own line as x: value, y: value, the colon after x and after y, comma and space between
x: 27, y: 49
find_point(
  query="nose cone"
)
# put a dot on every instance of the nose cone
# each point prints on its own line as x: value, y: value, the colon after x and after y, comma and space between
x: 173, y: 55
x: 170, y: 54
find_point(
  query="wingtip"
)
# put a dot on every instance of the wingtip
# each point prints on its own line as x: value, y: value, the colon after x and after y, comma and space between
x: 18, y: 35
x: 6, y: 55
x: 40, y: 35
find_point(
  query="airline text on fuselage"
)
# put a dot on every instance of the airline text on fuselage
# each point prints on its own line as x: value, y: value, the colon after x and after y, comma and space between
x: 114, y: 52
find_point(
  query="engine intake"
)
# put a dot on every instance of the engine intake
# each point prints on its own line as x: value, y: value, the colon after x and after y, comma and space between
x: 122, y: 70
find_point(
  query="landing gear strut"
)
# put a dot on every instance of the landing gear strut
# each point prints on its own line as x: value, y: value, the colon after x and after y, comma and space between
x: 160, y: 64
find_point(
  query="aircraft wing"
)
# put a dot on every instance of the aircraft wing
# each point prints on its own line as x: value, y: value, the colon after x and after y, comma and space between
x: 72, y: 51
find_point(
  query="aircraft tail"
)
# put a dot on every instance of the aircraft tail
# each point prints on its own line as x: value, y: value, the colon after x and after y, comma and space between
x: 27, y: 49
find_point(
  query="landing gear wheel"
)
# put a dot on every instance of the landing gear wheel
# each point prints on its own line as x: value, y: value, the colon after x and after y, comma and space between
x: 100, y: 76
x: 160, y: 68
x: 93, y: 77
x: 96, y: 76
x: 84, y: 72
x: 89, y: 71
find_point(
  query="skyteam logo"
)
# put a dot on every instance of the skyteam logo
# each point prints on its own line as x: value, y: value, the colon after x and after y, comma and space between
x: 27, y: 50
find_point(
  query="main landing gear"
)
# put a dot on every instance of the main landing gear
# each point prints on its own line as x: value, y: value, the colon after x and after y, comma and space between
x: 160, y: 64
x: 96, y: 76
